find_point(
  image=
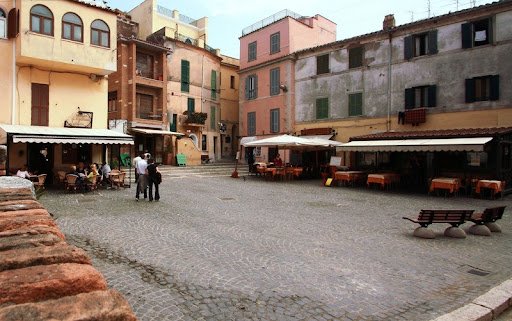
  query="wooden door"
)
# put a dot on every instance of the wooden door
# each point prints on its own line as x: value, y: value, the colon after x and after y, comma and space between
x: 40, y: 104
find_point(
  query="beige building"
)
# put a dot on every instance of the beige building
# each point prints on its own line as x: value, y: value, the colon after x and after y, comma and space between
x: 55, y: 86
x: 229, y: 105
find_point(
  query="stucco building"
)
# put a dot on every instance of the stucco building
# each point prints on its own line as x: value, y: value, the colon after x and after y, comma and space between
x: 267, y: 72
x: 57, y: 57
x: 229, y: 106
x: 439, y: 78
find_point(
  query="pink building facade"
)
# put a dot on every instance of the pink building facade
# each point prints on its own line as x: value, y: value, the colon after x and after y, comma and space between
x: 267, y: 67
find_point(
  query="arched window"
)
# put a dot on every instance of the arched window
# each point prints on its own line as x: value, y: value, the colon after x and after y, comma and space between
x: 100, y: 33
x: 41, y: 20
x: 3, y: 24
x: 72, y: 27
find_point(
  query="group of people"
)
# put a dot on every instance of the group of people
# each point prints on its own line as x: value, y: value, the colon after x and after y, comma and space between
x: 147, y: 176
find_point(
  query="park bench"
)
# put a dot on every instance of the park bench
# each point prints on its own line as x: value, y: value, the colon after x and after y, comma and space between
x: 485, y: 222
x: 452, y: 217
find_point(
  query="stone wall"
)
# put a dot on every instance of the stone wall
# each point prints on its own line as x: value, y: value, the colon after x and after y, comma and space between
x: 41, y: 276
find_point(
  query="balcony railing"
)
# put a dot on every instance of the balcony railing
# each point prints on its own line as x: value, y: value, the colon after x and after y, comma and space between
x: 270, y: 20
x: 196, y: 118
x: 183, y: 18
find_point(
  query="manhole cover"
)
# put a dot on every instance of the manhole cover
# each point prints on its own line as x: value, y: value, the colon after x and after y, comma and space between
x: 226, y: 198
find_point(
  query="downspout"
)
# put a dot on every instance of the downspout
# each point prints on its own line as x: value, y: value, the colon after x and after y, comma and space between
x: 388, y: 123
x: 13, y: 111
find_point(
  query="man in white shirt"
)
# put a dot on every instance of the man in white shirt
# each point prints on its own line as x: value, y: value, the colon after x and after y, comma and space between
x: 134, y: 164
x: 142, y: 179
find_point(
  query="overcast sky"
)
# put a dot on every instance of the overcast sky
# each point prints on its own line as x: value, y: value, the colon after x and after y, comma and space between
x: 227, y: 18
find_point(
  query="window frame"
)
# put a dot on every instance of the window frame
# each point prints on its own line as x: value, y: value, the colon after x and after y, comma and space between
x: 41, y: 21
x: 213, y: 118
x: 429, y: 41
x: 275, y: 45
x: 320, y: 68
x: 3, y: 19
x: 252, y: 49
x: 274, y: 120
x: 251, y: 123
x: 72, y: 27
x: 322, y: 103
x: 356, y: 57
x: 191, y: 105
x: 353, y: 108
x: 112, y: 101
x: 213, y: 84
x: 100, y: 33
x: 491, y: 92
x: 232, y: 82
x: 185, y: 76
x: 275, y: 81
x: 468, y: 33
x: 251, y: 87
x: 427, y: 97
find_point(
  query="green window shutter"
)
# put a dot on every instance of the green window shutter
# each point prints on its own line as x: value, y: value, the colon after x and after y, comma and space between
x: 408, y: 45
x: 467, y: 35
x: 432, y: 42
x: 409, y: 98
x: 213, y: 121
x: 432, y: 96
x: 355, y: 104
x: 214, y: 84
x: 185, y: 76
x: 322, y: 108
x: 191, y: 108
x: 174, y: 123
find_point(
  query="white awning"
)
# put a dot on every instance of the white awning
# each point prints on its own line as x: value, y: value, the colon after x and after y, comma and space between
x: 155, y: 131
x: 247, y: 139
x: 470, y: 144
x: 62, y: 135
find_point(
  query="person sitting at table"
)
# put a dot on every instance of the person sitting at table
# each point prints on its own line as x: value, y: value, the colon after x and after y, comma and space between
x: 93, y: 174
x: 23, y: 172
x: 81, y: 169
x: 80, y: 177
x: 278, y: 162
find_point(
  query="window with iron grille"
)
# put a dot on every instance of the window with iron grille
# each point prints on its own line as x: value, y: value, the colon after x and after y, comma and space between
x: 322, y: 108
x: 274, y: 120
x: 322, y: 64
x: 252, y: 51
x: 355, y: 104
x: 251, y: 123
x: 275, y: 43
x: 355, y: 57
x: 274, y: 81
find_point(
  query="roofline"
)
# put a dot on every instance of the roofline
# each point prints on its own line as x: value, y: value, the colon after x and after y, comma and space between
x: 409, y: 25
x: 440, y: 133
x: 106, y: 8
x: 144, y: 43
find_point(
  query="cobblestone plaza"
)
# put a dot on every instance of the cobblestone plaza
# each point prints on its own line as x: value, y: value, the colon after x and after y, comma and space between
x: 249, y: 249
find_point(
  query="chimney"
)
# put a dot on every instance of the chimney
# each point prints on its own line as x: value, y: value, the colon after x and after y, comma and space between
x: 389, y: 22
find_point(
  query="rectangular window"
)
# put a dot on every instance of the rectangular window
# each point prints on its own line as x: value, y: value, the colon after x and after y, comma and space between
x: 477, y: 33
x: 274, y: 120
x: 40, y: 104
x: 185, y: 76
x: 251, y: 87
x: 204, y: 140
x: 322, y: 64
x: 144, y: 65
x: 355, y: 104
x: 251, y: 123
x: 252, y: 51
x: 322, y: 108
x: 420, y: 44
x: 421, y: 96
x: 112, y: 101
x: 214, y: 84
x: 275, y: 45
x: 191, y: 106
x: 355, y: 57
x: 232, y: 82
x: 274, y: 81
x: 483, y: 88
x: 213, y: 120
x: 144, y: 106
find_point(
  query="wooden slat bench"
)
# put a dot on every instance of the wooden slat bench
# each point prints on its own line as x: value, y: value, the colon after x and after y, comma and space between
x: 485, y: 222
x: 452, y: 217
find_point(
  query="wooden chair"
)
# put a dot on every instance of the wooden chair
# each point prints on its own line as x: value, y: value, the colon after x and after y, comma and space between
x: 117, y: 180
x: 71, y: 182
x: 39, y: 184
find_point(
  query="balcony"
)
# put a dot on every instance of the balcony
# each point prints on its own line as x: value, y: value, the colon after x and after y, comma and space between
x: 195, y: 119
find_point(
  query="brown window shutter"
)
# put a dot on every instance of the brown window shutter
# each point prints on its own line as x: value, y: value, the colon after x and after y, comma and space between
x: 13, y: 25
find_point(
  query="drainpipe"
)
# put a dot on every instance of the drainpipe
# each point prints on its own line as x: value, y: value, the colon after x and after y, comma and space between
x: 13, y: 112
x: 388, y: 123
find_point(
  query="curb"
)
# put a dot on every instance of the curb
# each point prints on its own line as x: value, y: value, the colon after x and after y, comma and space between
x: 486, y: 307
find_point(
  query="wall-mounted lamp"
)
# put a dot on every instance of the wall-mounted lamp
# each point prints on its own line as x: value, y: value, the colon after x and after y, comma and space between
x: 283, y: 88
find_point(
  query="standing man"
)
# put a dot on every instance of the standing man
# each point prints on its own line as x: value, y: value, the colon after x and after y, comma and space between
x: 134, y: 164
x: 142, y: 184
x: 154, y: 178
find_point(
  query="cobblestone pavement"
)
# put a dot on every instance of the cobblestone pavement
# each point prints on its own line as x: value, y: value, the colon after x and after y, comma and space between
x: 249, y: 249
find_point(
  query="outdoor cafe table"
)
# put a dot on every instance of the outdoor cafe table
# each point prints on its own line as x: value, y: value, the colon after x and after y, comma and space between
x: 383, y: 179
x: 349, y: 176
x: 495, y: 186
x: 452, y: 185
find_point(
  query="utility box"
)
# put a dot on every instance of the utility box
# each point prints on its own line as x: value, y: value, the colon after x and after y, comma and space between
x: 181, y: 160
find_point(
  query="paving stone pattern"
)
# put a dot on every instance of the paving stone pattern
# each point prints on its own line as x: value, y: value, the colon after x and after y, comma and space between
x: 249, y: 249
